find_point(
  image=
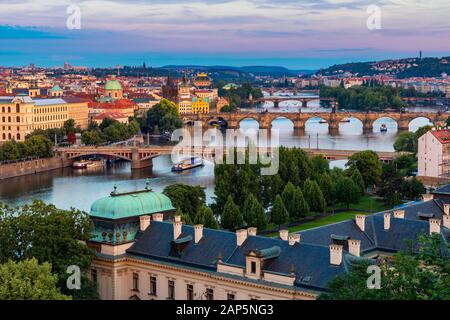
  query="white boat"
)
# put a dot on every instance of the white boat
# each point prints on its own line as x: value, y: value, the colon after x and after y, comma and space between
x: 383, y: 128
x: 82, y: 164
x: 345, y: 120
x: 186, y: 164
x: 95, y: 163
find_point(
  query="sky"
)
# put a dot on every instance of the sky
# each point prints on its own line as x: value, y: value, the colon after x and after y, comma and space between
x: 297, y: 34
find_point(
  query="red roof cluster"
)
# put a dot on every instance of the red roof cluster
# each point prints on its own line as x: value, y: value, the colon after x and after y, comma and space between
x: 442, y: 135
x: 118, y: 104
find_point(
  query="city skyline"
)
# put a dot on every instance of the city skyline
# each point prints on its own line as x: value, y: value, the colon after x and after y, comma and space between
x: 307, y: 35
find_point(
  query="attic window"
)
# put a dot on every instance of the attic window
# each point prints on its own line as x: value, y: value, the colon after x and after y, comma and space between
x: 306, y: 280
x: 425, y: 216
x: 253, y: 267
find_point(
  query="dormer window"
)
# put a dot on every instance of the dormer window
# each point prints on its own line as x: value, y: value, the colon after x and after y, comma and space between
x: 253, y: 267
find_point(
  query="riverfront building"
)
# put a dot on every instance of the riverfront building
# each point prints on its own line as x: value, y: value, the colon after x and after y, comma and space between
x: 434, y: 154
x: 144, y: 252
x: 21, y: 115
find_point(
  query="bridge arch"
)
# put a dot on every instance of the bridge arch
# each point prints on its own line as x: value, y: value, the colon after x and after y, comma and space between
x: 316, y: 124
x: 249, y: 121
x: 123, y: 156
x: 284, y: 123
x: 419, y: 121
x: 390, y: 122
x: 351, y: 125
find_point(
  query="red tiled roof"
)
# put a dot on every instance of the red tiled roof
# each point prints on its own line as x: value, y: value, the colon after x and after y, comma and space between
x: 442, y: 135
x: 110, y: 115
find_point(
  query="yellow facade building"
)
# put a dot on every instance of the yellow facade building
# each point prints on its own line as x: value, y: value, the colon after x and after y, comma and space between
x: 200, y: 105
x: 21, y: 115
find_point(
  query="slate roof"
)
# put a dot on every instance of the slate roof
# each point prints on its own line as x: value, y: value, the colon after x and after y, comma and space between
x: 443, y: 190
x: 434, y: 206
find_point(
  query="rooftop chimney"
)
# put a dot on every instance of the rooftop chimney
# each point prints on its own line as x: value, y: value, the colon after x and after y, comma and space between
x: 284, y: 234
x: 354, y: 247
x: 198, y: 228
x: 427, y: 196
x: 335, y: 254
x: 435, y: 226
x: 294, y: 238
x: 399, y: 214
x: 447, y: 209
x: 446, y: 220
x: 177, y: 227
x: 144, y: 222
x: 387, y: 221
x: 251, y: 231
x: 361, y: 221
x: 158, y: 217
x: 241, y: 235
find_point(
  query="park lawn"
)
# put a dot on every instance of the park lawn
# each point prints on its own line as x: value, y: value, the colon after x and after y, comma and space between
x: 337, y: 217
x: 366, y: 203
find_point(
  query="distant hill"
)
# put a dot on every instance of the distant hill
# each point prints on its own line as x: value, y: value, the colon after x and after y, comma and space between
x: 401, y: 68
x: 247, y: 71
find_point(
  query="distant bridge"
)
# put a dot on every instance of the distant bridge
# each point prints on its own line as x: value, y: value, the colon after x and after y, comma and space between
x: 141, y: 156
x: 299, y: 119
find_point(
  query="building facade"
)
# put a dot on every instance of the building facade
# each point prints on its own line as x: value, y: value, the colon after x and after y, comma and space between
x: 434, y: 154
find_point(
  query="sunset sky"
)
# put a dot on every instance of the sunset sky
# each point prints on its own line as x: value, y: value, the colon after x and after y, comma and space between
x: 301, y: 34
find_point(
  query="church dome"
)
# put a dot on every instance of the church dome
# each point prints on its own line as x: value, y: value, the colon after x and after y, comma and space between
x: 130, y: 204
x: 113, y: 84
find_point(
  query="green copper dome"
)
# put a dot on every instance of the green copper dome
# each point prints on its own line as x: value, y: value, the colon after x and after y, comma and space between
x: 131, y: 204
x: 56, y: 88
x: 113, y: 84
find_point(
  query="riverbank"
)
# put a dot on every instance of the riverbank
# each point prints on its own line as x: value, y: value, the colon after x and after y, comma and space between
x: 33, y: 166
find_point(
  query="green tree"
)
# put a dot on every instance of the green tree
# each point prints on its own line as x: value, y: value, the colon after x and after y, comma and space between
x: 406, y: 141
x: 29, y: 280
x: 69, y: 126
x: 164, y: 116
x: 48, y: 234
x: 187, y: 198
x: 231, y: 216
x: 313, y: 196
x: 320, y: 164
x: 357, y: 178
x: 92, y: 137
x: 278, y: 212
x: 39, y: 146
x: 205, y: 216
x: 326, y: 185
x: 10, y: 150
x: 368, y: 164
x: 347, y: 191
x: 253, y: 213
x: 421, y: 131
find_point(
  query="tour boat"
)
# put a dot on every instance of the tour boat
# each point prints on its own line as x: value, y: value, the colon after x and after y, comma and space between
x: 82, y: 164
x: 383, y: 128
x: 95, y: 163
x: 345, y: 120
x: 186, y: 164
x: 323, y: 121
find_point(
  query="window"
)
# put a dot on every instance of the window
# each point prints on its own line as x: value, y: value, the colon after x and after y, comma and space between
x: 230, y: 296
x: 253, y: 267
x: 94, y: 275
x: 209, y: 294
x: 17, y: 108
x: 171, y: 290
x: 18, y: 136
x: 190, y: 292
x: 135, y: 281
x: 17, y: 119
x: 152, y: 286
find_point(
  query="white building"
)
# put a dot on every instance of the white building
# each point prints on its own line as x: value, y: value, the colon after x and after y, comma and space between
x: 434, y: 154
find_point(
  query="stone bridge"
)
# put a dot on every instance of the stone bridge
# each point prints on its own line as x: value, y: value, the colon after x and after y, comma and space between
x: 299, y: 119
x: 277, y: 100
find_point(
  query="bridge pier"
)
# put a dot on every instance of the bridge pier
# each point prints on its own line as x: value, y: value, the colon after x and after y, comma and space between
x: 137, y: 162
x: 276, y: 104
x: 304, y: 104
x: 403, y: 125
x: 367, y: 127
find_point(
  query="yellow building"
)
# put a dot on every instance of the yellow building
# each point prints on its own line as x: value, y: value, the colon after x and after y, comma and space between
x: 185, y: 106
x: 200, y: 105
x: 21, y: 115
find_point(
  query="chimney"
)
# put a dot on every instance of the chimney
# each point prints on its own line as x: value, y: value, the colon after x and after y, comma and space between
x: 177, y: 227
x: 144, y: 222
x: 335, y: 254
x: 294, y: 238
x: 284, y: 234
x: 360, y: 221
x: 446, y: 220
x: 399, y: 214
x: 447, y: 209
x: 435, y: 226
x: 354, y: 247
x: 427, y: 197
x: 198, y: 228
x: 251, y: 231
x: 158, y: 217
x: 387, y: 221
x: 241, y: 235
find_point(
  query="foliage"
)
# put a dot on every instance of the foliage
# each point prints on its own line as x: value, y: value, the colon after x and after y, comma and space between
x: 278, y: 213
x: 205, y: 216
x: 164, y: 116
x: 406, y: 141
x: 368, y: 164
x: 294, y: 202
x: 109, y: 130
x: 188, y: 198
x: 358, y: 179
x: 34, y: 146
x: 231, y: 216
x: 29, y: 280
x: 48, y: 234
x: 347, y: 191
x: 314, y: 196
x: 253, y: 213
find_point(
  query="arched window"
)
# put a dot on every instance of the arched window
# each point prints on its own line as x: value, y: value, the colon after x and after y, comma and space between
x: 9, y: 119
x: 9, y: 136
x: 4, y: 136
x: 17, y: 119
x: 3, y: 109
x: 18, y: 136
x: 9, y: 109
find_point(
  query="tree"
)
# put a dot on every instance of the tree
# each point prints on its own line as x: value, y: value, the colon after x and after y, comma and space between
x: 406, y: 141
x: 10, y: 150
x: 357, y: 178
x: 422, y: 274
x: 320, y: 164
x: 69, y: 126
x: 294, y: 201
x: 205, y: 216
x: 92, y: 137
x: 390, y: 182
x: 253, y: 213
x: 184, y: 217
x: 313, y: 196
x: 39, y: 146
x: 187, y: 198
x: 48, y: 234
x: 421, y: 131
x: 347, y: 191
x: 326, y: 185
x: 164, y: 116
x: 29, y: 280
x: 279, y: 213
x: 231, y: 216
x: 368, y: 164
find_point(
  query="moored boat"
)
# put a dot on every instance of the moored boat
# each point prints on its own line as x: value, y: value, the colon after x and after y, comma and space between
x: 82, y: 164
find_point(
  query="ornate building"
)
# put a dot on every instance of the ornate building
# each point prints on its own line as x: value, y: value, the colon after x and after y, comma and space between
x: 142, y: 253
x: 113, y: 88
x: 200, y: 105
x: 202, y: 81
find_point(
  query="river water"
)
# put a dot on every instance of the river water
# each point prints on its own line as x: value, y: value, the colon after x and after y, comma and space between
x: 68, y: 188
